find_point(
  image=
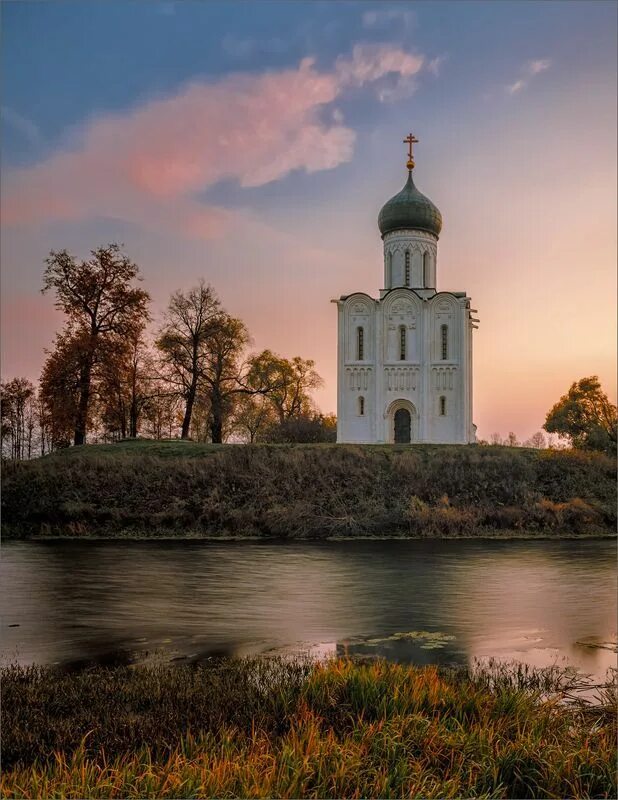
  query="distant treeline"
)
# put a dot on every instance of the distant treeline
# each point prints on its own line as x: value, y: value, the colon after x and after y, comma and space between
x: 104, y: 380
x: 295, y: 491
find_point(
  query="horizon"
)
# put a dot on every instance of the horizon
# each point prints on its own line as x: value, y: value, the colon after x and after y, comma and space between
x: 222, y: 147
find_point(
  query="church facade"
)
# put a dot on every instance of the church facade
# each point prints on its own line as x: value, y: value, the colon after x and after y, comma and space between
x: 404, y: 363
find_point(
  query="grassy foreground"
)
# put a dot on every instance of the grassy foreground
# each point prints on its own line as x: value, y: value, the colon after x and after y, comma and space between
x: 180, y: 488
x: 270, y: 728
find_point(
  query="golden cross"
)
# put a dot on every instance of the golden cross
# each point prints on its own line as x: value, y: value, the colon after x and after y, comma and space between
x: 410, y: 140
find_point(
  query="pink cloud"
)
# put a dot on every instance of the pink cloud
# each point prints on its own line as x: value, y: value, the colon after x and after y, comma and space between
x: 147, y: 165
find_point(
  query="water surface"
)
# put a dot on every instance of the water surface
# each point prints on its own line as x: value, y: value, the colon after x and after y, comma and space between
x: 541, y: 602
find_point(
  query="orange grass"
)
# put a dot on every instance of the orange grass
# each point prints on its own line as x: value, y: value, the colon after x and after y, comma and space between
x: 352, y: 730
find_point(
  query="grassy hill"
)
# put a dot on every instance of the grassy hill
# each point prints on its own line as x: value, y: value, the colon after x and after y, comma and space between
x: 174, y: 488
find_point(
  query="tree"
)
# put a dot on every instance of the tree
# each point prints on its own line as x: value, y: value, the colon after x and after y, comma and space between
x: 60, y: 385
x: 254, y: 417
x: 512, y: 440
x: 495, y: 438
x: 285, y: 382
x: 162, y: 413
x: 537, y: 440
x: 310, y: 428
x: 100, y: 302
x: 18, y: 412
x: 585, y: 416
x: 126, y: 384
x: 222, y: 373
x: 190, y: 321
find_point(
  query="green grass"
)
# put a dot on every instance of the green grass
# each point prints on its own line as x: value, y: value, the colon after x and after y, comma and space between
x: 313, y: 491
x: 272, y: 728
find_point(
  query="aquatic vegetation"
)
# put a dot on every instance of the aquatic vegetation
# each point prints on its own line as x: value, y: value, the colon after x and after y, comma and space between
x: 427, y: 640
x: 275, y: 728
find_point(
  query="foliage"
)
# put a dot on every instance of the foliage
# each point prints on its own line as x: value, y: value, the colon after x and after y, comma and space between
x: 275, y: 728
x: 308, y: 427
x: 285, y: 382
x: 102, y: 308
x: 586, y: 417
x: 182, y: 488
x: 19, y: 417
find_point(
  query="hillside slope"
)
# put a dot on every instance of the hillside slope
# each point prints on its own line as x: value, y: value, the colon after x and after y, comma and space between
x: 295, y: 491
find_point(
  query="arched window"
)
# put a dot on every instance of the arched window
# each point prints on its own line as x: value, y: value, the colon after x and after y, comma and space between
x: 361, y: 406
x: 402, y: 342
x: 444, y: 341
x: 443, y: 406
x: 407, y: 276
x: 389, y: 270
x: 425, y: 269
x: 360, y: 344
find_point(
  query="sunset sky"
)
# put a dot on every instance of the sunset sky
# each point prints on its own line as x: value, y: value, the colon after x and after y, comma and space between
x: 253, y: 144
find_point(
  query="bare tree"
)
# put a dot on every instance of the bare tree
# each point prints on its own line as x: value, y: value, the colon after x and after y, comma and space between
x: 190, y: 321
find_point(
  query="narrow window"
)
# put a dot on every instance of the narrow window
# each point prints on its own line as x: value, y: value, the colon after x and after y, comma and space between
x: 444, y: 340
x: 443, y: 406
x: 361, y: 406
x: 425, y: 268
x: 389, y: 270
x: 360, y: 344
x: 402, y: 343
x: 407, y: 268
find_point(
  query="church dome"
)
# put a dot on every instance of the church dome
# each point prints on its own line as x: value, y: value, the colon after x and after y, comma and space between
x: 409, y: 209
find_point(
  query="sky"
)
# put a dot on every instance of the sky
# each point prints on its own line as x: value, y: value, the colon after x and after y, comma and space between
x: 253, y: 144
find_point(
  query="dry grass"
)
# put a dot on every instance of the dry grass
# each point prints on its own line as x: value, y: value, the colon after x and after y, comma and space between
x: 343, y: 730
x: 308, y: 491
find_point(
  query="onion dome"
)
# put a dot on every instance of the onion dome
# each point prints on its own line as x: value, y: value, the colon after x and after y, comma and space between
x: 409, y: 209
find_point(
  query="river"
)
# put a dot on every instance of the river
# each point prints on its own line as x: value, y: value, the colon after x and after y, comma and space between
x: 541, y: 602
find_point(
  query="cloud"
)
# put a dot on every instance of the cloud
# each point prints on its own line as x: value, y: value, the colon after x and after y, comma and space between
x: 22, y: 125
x: 372, y: 62
x: 388, y: 17
x: 435, y: 65
x: 528, y: 71
x: 244, y: 48
x: 148, y: 165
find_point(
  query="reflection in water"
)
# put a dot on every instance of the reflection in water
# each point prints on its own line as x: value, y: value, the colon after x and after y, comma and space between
x: 121, y: 601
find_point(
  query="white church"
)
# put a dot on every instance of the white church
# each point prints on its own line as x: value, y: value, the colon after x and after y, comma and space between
x: 404, y: 360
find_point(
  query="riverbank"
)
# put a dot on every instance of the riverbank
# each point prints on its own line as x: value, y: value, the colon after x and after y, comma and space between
x: 280, y: 728
x: 181, y: 489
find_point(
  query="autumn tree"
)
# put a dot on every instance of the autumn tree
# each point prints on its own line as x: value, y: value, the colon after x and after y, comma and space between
x: 311, y: 427
x: 190, y: 322
x: 127, y: 384
x: 101, y: 302
x: 254, y: 417
x: 223, y: 376
x: 585, y: 416
x: 18, y: 417
x: 60, y: 385
x: 286, y: 383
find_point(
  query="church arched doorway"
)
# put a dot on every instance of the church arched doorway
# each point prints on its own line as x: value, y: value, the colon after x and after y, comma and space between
x: 403, y: 426
x: 401, y: 422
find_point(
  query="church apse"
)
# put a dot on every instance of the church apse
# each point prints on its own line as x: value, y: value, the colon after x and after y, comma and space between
x: 404, y: 361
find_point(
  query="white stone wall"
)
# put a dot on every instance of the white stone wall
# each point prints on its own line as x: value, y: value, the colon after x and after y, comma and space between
x: 422, y: 249
x: 417, y: 382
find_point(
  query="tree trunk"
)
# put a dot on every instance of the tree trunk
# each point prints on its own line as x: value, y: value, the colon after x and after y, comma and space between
x: 133, y: 415
x: 216, y: 412
x: 186, y: 423
x: 84, y: 400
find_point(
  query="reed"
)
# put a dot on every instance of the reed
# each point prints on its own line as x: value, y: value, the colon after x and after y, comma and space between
x: 338, y: 729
